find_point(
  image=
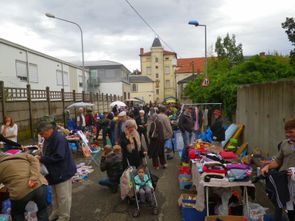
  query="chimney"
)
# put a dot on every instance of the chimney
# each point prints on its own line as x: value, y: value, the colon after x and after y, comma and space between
x: 141, y: 51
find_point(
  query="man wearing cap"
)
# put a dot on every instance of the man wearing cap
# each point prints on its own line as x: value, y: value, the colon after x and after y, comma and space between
x: 58, y: 160
x: 218, y: 132
x: 20, y: 174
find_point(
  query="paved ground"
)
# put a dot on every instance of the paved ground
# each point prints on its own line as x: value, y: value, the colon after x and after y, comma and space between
x: 91, y: 202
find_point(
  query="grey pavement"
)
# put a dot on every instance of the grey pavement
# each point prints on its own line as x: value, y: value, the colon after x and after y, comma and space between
x: 92, y: 202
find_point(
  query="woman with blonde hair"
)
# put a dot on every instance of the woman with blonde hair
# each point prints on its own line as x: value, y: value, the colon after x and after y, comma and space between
x: 9, y: 129
x: 131, y: 145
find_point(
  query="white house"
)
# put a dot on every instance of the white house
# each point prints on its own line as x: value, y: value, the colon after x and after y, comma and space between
x: 20, y: 66
x: 109, y: 77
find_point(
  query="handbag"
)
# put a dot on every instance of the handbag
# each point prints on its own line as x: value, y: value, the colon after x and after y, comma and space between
x: 43, y: 169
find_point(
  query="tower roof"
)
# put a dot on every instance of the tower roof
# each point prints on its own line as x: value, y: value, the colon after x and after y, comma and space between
x: 156, y: 43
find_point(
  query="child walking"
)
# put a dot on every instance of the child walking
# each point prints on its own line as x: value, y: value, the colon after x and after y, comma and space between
x: 143, y: 185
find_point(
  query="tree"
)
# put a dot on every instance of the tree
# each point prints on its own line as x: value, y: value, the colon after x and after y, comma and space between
x: 224, y: 80
x: 136, y: 72
x: 227, y: 49
x: 289, y: 25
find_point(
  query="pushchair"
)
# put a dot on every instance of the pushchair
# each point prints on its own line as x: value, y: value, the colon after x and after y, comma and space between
x: 128, y: 188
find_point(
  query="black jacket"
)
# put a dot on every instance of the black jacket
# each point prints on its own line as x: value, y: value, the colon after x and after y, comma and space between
x: 218, y: 130
x: 186, y: 122
x: 58, y: 159
x: 112, y: 164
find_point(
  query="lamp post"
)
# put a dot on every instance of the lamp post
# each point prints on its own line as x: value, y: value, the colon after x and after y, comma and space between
x: 82, y: 45
x: 196, y: 23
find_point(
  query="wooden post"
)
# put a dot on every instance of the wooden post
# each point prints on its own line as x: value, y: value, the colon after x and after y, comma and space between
x: 29, y: 99
x: 3, y: 99
x: 102, y: 99
x: 83, y: 96
x: 97, y: 102
x: 48, y: 100
x: 63, y: 105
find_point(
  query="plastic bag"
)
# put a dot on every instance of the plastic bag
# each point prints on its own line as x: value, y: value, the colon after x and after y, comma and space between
x: 256, y: 211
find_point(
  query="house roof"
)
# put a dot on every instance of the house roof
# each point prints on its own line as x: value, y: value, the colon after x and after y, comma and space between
x: 190, y: 65
x: 139, y: 79
x: 156, y: 43
x: 12, y: 44
x: 102, y: 63
x: 187, y: 79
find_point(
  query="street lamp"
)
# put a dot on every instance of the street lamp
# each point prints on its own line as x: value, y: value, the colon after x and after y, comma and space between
x: 196, y: 23
x: 82, y: 45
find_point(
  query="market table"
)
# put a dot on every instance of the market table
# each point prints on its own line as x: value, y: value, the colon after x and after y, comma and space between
x: 201, y: 185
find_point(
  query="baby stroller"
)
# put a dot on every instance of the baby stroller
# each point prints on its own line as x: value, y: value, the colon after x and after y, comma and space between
x: 128, y: 188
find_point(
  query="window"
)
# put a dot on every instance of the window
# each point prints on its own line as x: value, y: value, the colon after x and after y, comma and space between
x: 157, y: 84
x: 167, y: 58
x: 157, y: 75
x: 156, y: 67
x: 167, y: 83
x: 33, y: 70
x: 93, y: 74
x: 134, y: 87
x: 21, y: 70
x: 80, y: 80
x: 148, y: 70
x: 156, y: 59
x: 167, y: 70
x: 62, y: 78
x: 148, y: 59
x: 59, y: 77
x: 125, y: 96
x: 128, y: 95
x: 157, y: 91
x: 66, y: 78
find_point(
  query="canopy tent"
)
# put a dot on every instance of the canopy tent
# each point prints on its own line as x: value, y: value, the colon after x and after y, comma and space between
x: 118, y: 103
x: 170, y: 100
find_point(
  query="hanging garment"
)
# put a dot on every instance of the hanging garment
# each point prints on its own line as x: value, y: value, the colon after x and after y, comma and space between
x: 277, y: 188
x: 205, y: 118
x: 196, y: 126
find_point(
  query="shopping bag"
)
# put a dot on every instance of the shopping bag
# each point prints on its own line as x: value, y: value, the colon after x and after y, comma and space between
x: 179, y: 142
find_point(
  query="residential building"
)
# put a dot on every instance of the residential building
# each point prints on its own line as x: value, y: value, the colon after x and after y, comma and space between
x: 20, y: 66
x: 109, y: 77
x: 187, y: 69
x: 159, y: 65
x: 142, y: 87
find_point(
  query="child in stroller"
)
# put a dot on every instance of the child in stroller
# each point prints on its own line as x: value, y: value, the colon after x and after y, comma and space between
x: 143, y: 185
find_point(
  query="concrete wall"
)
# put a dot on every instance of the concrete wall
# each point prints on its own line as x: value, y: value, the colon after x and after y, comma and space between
x: 263, y: 109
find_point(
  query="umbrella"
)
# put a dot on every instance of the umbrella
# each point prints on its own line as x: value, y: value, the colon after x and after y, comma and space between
x: 80, y: 104
x: 118, y: 103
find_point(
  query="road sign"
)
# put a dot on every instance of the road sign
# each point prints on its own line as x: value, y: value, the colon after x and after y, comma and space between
x: 205, y: 82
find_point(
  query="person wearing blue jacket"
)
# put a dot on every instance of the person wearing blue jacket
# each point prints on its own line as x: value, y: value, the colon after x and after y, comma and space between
x: 57, y: 158
x: 143, y: 185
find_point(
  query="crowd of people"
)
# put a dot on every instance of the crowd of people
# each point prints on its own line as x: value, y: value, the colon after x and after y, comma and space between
x: 128, y: 136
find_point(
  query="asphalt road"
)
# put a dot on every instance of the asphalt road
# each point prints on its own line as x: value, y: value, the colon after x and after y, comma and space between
x: 92, y: 202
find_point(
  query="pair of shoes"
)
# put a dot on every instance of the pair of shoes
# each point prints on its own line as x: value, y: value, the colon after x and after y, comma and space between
x: 156, y: 168
x: 165, y: 166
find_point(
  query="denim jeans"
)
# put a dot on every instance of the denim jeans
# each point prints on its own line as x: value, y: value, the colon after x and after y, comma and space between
x: 105, y: 181
x: 187, y: 139
x: 39, y: 196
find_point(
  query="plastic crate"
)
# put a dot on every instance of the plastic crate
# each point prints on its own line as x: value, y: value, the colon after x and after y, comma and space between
x: 191, y: 214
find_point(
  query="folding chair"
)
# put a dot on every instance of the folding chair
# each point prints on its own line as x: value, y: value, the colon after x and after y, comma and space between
x: 87, y: 151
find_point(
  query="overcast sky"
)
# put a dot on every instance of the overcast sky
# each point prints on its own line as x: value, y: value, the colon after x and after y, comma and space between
x: 112, y: 31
